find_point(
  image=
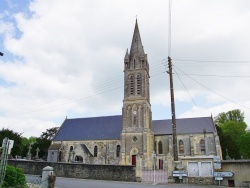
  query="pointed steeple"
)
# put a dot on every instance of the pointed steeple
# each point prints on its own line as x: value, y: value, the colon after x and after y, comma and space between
x: 136, y: 45
x: 126, y: 56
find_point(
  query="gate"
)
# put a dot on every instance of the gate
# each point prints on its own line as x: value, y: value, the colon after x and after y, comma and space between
x: 151, y: 175
x: 35, y: 181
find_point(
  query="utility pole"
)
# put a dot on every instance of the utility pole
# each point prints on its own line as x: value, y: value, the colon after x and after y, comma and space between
x: 173, y: 109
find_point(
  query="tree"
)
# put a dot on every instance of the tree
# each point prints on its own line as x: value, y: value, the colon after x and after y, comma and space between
x: 233, y: 115
x: 227, y: 143
x: 230, y: 127
x: 43, y: 142
x: 50, y: 133
x: 26, y: 143
x: 17, y: 147
x: 244, y: 142
x: 234, y: 129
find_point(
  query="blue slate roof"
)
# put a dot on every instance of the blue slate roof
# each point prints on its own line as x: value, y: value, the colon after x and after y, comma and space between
x: 184, y: 126
x: 110, y: 127
x: 94, y: 128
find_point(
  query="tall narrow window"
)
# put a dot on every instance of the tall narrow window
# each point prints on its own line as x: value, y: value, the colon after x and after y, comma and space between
x: 118, y: 148
x: 71, y: 148
x: 134, y: 64
x: 138, y: 84
x: 131, y: 85
x: 155, y: 147
x: 95, y: 151
x: 202, y: 146
x: 181, y: 147
x: 160, y: 147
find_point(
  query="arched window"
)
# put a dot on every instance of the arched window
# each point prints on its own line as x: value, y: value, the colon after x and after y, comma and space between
x: 95, y: 151
x: 202, y: 146
x: 160, y: 147
x: 131, y: 82
x: 181, y: 147
x: 138, y: 84
x: 71, y: 148
x: 118, y: 148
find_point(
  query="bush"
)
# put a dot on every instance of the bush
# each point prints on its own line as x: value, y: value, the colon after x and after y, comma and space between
x: 14, y: 177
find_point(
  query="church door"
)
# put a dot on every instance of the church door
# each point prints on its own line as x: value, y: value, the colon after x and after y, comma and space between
x: 133, y: 159
x: 160, y: 164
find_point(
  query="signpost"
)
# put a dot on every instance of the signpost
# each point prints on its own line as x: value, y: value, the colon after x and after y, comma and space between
x: 223, y: 174
x: 180, y: 173
x: 220, y: 175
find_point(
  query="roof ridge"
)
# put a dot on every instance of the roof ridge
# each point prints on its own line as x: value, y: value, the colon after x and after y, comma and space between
x: 93, y: 117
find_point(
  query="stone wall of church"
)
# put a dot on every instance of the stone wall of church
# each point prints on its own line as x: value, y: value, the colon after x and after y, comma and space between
x: 82, y: 171
x: 91, y: 152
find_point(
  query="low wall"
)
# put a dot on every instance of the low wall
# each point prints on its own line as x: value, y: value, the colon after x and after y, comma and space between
x: 77, y: 170
x: 241, y: 170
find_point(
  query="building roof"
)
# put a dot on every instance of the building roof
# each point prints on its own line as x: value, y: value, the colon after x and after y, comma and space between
x: 94, y: 128
x: 110, y: 127
x: 184, y: 126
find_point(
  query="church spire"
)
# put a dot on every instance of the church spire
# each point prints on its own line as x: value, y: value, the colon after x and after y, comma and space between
x: 136, y: 45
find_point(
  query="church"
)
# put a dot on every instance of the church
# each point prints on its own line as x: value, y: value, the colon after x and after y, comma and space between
x: 120, y: 139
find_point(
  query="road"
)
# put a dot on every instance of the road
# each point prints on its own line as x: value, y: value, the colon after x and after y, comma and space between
x: 83, y: 183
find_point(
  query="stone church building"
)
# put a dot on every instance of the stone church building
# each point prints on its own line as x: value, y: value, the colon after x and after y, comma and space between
x: 120, y: 139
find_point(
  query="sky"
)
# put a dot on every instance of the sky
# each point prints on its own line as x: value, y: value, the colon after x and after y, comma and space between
x: 64, y: 58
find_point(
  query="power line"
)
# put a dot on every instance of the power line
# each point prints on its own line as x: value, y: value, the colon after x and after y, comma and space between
x: 213, y: 90
x: 216, y: 61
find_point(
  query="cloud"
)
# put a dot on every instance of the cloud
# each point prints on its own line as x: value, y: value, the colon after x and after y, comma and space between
x: 67, y: 60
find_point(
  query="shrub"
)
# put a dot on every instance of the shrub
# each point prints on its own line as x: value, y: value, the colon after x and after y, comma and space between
x: 14, y: 177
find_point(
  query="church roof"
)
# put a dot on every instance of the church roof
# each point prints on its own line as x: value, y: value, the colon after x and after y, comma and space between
x: 110, y: 127
x: 93, y: 128
x: 184, y: 126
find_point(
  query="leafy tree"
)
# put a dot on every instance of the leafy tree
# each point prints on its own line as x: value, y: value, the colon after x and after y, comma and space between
x: 17, y: 148
x: 43, y: 146
x: 50, y: 133
x: 26, y: 143
x: 231, y: 127
x: 234, y: 129
x: 227, y: 143
x: 14, y: 177
x: 44, y: 142
x: 244, y: 142
x: 233, y: 115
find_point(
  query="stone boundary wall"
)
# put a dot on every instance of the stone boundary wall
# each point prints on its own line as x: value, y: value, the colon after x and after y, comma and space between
x: 241, y: 170
x: 78, y: 170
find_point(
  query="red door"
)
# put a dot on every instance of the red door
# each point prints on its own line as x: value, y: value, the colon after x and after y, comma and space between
x: 160, y: 164
x: 133, y: 159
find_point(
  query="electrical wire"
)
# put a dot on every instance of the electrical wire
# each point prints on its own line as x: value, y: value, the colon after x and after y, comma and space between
x: 213, y: 90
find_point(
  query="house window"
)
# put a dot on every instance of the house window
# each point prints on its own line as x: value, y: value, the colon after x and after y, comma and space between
x: 131, y: 85
x: 138, y: 84
x: 181, y: 147
x: 95, y: 151
x: 118, y: 148
x: 160, y: 147
x: 202, y: 146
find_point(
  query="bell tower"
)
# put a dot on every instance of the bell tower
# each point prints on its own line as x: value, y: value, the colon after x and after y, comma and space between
x: 137, y: 137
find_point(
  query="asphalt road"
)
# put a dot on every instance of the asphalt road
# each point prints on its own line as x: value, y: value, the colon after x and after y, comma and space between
x: 83, y: 183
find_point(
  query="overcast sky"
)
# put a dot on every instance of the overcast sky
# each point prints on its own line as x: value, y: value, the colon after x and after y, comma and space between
x: 65, y: 58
